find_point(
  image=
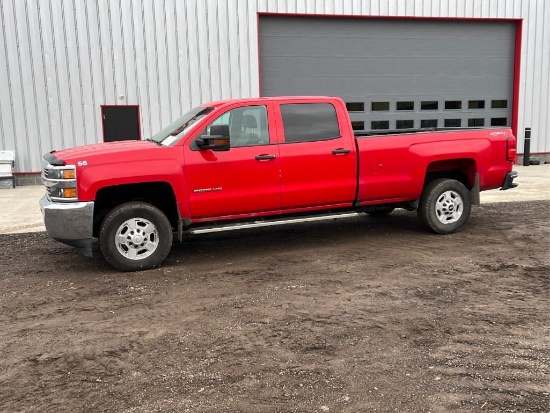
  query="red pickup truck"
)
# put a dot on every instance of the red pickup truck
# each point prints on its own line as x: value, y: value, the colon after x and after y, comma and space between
x: 263, y: 161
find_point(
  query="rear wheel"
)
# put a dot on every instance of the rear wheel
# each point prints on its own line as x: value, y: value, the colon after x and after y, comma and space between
x: 444, y: 206
x: 135, y: 236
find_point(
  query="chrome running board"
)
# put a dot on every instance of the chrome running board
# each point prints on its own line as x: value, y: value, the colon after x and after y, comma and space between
x: 257, y: 224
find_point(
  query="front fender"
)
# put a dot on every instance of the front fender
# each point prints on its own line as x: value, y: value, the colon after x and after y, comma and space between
x: 95, y: 177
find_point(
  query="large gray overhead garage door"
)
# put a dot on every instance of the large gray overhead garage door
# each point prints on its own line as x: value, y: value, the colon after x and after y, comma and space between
x: 394, y: 74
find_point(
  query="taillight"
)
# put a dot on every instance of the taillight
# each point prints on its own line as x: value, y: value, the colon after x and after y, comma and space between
x: 511, y: 149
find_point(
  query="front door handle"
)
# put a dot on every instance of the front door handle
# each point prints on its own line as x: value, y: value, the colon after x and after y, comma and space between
x: 265, y: 157
x: 341, y: 151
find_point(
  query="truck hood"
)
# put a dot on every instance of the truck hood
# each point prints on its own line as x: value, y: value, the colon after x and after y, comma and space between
x: 109, y: 151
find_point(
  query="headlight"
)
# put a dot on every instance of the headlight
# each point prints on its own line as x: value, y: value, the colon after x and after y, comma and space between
x: 60, y: 182
x: 55, y: 173
x: 64, y: 174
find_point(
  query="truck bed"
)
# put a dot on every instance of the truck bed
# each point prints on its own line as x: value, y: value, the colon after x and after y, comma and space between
x: 366, y: 134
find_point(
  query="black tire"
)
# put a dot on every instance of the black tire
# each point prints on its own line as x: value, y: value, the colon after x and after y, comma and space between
x: 379, y: 211
x: 444, y: 206
x: 135, y: 236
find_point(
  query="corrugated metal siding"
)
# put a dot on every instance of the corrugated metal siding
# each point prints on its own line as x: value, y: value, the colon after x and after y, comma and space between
x: 61, y: 59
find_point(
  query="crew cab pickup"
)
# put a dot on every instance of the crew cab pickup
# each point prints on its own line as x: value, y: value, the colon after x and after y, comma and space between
x: 262, y: 161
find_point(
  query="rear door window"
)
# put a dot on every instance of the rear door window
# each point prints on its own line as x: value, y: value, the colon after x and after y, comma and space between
x: 308, y: 122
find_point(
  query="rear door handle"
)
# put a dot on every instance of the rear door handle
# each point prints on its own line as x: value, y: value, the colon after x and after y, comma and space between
x: 265, y: 157
x: 341, y: 151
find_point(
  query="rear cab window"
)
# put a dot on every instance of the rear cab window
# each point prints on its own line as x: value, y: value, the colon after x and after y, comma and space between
x: 309, y: 122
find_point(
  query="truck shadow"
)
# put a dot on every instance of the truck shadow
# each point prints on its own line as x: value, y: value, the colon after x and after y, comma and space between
x: 298, y: 237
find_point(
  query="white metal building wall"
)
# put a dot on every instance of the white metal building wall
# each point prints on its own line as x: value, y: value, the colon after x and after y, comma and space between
x: 61, y: 59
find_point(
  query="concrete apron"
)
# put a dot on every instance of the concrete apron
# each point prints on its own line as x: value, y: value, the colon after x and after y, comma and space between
x: 19, y: 211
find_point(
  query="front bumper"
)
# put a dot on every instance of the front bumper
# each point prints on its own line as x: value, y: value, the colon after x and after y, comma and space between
x: 509, y: 181
x: 70, y: 223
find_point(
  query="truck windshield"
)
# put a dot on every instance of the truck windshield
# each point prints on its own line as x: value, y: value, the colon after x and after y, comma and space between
x: 178, y: 128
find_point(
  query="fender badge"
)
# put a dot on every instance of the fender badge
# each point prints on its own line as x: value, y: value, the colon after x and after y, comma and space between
x: 201, y: 190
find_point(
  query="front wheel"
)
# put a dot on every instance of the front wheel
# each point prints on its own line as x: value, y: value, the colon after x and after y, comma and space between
x: 135, y: 236
x: 444, y: 206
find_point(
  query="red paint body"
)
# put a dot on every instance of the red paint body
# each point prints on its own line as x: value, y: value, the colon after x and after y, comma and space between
x: 301, y: 177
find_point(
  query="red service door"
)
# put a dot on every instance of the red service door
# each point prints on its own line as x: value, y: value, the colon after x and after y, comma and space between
x: 318, y: 165
x: 244, y: 179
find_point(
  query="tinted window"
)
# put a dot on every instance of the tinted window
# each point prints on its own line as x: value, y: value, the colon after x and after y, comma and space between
x: 306, y: 122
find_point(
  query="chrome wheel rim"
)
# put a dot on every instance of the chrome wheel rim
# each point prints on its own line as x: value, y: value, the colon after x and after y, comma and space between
x: 449, y: 207
x: 137, y: 238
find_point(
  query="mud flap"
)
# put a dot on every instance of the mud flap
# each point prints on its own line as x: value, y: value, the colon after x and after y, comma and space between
x: 474, y: 192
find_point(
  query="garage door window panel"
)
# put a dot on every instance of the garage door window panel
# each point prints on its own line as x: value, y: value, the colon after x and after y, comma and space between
x: 429, y: 105
x: 380, y: 106
x: 358, y: 125
x: 380, y: 124
x: 476, y: 104
x: 355, y: 106
x: 404, y: 124
x: 472, y: 123
x: 453, y: 123
x: 404, y: 105
x: 453, y: 105
x: 309, y: 122
x: 428, y: 123
x: 499, y: 104
x: 499, y: 121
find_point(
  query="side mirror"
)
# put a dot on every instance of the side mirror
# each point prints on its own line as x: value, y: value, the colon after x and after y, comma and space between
x: 218, y: 140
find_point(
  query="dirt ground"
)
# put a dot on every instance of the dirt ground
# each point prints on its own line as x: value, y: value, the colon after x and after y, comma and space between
x: 357, y: 315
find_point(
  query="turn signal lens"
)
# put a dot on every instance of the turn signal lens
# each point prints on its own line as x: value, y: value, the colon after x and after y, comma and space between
x: 68, y: 174
x: 69, y: 193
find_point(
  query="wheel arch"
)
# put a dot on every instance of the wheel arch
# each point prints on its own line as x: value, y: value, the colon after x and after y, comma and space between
x: 158, y: 194
x: 462, y: 170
